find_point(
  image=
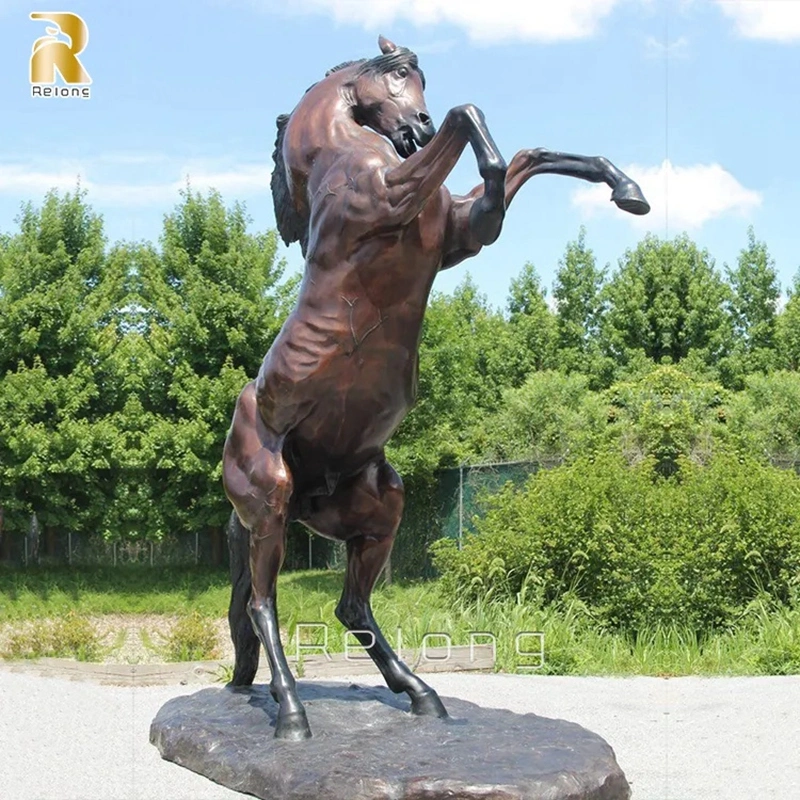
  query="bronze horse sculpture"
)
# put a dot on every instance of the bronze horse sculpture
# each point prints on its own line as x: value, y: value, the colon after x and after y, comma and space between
x: 359, y: 182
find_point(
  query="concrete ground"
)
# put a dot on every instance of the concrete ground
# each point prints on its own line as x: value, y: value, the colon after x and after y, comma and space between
x: 675, y: 739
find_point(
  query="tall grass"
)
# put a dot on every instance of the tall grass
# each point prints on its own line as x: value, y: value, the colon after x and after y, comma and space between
x: 766, y: 640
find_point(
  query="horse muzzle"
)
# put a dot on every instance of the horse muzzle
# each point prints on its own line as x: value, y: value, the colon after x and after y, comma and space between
x: 423, y: 132
x: 414, y: 134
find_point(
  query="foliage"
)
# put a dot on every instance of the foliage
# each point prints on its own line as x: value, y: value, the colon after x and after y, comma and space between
x: 55, y: 443
x: 666, y: 414
x: 532, y: 343
x: 765, y: 641
x: 192, y: 638
x: 70, y: 636
x: 214, y: 306
x: 764, y: 418
x: 640, y: 550
x: 666, y: 303
x: 551, y: 416
x: 753, y: 305
x: 578, y: 292
x: 120, y: 367
x: 787, y: 329
x: 461, y: 374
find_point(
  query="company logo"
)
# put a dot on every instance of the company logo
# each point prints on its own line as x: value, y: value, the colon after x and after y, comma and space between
x: 53, y: 57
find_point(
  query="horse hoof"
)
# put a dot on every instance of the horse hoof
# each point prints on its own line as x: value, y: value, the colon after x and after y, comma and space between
x: 428, y: 704
x: 628, y: 196
x: 293, y: 727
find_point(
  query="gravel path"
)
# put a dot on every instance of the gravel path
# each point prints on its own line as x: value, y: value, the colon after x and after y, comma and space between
x: 676, y: 739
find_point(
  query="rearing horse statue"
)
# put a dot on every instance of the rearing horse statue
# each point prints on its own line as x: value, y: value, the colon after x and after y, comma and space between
x: 359, y: 182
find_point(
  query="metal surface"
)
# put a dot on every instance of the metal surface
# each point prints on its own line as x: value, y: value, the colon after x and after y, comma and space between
x: 359, y: 182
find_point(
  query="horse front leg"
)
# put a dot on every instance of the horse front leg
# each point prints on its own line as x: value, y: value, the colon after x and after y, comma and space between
x: 366, y: 513
x: 411, y: 184
x: 366, y: 557
x: 595, y: 169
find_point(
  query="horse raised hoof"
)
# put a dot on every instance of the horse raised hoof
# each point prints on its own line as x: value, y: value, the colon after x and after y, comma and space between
x: 292, y: 727
x: 628, y: 196
x: 428, y: 704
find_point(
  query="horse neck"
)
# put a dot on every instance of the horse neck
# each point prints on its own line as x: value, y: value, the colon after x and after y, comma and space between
x: 321, y: 125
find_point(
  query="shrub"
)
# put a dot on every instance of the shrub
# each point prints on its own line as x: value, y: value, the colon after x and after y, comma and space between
x: 71, y: 636
x: 639, y: 549
x: 192, y: 638
x: 550, y: 416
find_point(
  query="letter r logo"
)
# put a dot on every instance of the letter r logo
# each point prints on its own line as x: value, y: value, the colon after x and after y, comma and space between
x: 51, y: 54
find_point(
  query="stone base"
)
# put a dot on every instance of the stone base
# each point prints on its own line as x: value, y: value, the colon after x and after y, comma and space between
x: 366, y: 746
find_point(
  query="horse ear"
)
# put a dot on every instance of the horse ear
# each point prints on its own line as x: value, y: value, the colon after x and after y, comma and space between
x: 386, y: 46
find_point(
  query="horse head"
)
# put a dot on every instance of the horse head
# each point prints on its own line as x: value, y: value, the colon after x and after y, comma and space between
x: 388, y: 95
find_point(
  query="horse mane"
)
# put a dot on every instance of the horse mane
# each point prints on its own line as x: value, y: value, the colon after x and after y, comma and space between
x: 293, y: 225
x: 343, y: 65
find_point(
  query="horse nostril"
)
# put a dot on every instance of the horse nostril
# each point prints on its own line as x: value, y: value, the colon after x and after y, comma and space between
x: 424, y: 118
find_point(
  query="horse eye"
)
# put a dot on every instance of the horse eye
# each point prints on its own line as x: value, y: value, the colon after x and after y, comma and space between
x: 402, y: 72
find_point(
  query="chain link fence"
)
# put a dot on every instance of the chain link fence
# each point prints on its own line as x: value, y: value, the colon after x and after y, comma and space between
x: 446, y: 507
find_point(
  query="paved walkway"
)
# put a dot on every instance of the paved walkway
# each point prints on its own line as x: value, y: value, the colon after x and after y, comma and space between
x: 676, y: 739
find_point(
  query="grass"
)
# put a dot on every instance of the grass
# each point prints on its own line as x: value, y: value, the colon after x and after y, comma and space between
x: 36, y: 592
x: 766, y: 640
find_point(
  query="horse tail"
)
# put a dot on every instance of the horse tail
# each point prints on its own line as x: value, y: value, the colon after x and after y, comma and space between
x: 292, y: 226
x: 245, y: 641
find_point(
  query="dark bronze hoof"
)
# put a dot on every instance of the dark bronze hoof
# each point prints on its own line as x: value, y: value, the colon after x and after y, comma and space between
x: 628, y: 196
x: 428, y: 705
x: 293, y: 727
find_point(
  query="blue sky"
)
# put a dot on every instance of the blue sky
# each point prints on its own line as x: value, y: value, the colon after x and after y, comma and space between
x: 697, y: 99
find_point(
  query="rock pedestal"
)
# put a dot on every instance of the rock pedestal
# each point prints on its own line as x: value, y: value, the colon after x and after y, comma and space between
x: 366, y: 746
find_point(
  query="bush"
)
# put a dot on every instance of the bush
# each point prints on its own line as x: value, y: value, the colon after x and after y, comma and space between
x: 639, y: 549
x: 69, y: 637
x: 192, y: 638
x: 550, y: 416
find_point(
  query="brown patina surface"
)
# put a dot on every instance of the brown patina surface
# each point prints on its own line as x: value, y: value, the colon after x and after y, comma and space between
x: 359, y: 183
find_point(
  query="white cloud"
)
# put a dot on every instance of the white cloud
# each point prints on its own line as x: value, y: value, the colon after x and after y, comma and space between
x: 484, y: 22
x: 235, y: 182
x: 778, y: 20
x: 677, y: 49
x: 684, y: 197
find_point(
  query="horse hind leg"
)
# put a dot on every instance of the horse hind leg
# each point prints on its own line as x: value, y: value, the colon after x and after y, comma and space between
x: 262, y: 504
x: 366, y: 514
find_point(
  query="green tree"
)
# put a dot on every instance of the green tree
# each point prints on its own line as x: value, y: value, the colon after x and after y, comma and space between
x: 55, y: 443
x: 787, y: 333
x: 753, y: 305
x: 531, y: 343
x: 667, y: 415
x: 212, y: 303
x: 764, y: 418
x: 462, y: 373
x: 552, y: 416
x: 666, y: 303
x: 578, y: 293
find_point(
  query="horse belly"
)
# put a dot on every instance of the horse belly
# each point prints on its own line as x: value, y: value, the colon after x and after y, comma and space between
x: 367, y: 400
